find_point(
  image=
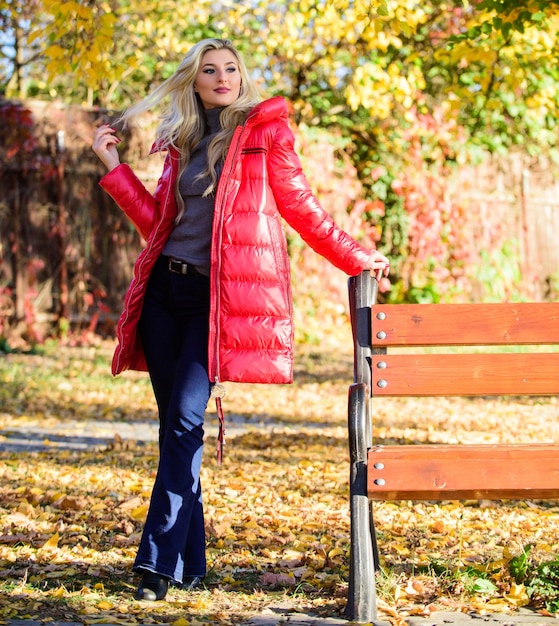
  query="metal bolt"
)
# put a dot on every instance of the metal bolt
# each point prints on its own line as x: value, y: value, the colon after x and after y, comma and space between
x: 380, y: 482
x: 382, y: 383
x: 378, y: 466
x: 381, y: 315
x: 381, y: 365
x: 381, y: 335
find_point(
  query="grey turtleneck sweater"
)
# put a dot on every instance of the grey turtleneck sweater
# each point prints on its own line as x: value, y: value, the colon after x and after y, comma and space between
x: 190, y: 240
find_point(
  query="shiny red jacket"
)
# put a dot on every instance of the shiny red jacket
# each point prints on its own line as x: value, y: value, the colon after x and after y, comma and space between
x: 251, y: 321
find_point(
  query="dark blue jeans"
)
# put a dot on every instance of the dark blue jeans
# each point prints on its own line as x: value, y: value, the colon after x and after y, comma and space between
x: 174, y: 333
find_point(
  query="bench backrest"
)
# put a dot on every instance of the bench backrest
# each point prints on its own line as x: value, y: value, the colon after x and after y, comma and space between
x: 464, y: 374
x: 453, y: 350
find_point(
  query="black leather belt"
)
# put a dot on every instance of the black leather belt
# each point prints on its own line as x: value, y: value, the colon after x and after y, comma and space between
x: 180, y: 267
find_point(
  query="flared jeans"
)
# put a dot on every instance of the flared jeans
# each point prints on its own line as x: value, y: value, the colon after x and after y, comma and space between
x: 174, y: 332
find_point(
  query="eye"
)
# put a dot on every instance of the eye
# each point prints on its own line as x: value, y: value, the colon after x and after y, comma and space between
x: 208, y: 70
x: 231, y: 69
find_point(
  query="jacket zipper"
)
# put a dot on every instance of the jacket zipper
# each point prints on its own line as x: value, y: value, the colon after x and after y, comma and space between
x: 216, y: 249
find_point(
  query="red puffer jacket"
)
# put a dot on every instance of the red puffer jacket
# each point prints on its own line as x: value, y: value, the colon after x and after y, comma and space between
x: 251, y: 322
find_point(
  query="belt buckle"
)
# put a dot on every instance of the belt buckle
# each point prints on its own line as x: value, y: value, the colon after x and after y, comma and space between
x: 182, y: 267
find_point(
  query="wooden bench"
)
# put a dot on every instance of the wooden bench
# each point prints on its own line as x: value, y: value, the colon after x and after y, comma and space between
x: 436, y: 472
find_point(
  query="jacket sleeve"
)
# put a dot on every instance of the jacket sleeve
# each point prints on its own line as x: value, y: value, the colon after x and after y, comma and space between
x: 132, y: 197
x: 303, y: 212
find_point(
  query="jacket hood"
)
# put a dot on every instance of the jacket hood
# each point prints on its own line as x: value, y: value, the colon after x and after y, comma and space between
x: 268, y: 110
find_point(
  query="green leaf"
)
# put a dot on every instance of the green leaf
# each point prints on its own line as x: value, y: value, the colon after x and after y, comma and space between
x: 482, y: 585
x: 518, y: 565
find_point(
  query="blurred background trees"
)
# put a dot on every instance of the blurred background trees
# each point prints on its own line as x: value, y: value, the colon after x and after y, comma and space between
x: 438, y: 117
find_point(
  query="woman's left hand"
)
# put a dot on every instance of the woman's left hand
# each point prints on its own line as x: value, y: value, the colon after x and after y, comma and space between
x: 378, y: 264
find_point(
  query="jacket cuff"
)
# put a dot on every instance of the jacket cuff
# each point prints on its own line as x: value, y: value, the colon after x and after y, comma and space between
x: 115, y: 178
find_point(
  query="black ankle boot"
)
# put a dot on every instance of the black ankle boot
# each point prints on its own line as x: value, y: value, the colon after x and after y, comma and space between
x: 153, y: 587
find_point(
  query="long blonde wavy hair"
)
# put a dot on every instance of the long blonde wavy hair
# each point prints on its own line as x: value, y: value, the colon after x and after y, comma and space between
x: 182, y: 123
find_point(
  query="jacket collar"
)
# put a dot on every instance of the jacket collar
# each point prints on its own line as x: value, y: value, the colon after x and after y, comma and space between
x: 266, y: 111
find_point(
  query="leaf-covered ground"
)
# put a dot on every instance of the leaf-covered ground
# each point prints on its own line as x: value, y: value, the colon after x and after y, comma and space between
x: 276, y: 511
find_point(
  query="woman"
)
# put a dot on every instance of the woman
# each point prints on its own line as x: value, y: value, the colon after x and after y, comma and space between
x: 210, y: 300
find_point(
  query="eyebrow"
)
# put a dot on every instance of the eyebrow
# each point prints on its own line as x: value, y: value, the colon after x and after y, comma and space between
x: 214, y: 65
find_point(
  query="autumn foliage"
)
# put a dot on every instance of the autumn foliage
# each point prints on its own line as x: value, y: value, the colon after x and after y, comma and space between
x: 411, y: 93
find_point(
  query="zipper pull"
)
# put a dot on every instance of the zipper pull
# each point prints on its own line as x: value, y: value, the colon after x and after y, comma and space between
x: 218, y: 392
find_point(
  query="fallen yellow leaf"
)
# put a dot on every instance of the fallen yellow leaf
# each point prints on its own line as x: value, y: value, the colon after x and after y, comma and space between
x: 518, y: 595
x: 335, y: 552
x: 140, y: 512
x: 52, y: 542
x: 59, y: 592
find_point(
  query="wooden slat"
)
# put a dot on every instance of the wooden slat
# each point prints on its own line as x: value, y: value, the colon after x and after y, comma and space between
x: 465, y: 324
x: 465, y: 374
x: 458, y: 472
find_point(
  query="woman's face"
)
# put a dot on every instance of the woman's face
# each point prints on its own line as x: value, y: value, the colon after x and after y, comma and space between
x: 218, y: 81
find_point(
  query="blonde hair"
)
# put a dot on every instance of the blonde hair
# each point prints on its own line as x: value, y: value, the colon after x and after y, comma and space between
x: 182, y: 123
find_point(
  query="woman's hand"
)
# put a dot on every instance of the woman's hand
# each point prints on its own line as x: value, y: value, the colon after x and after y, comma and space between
x: 104, y: 145
x: 378, y: 264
